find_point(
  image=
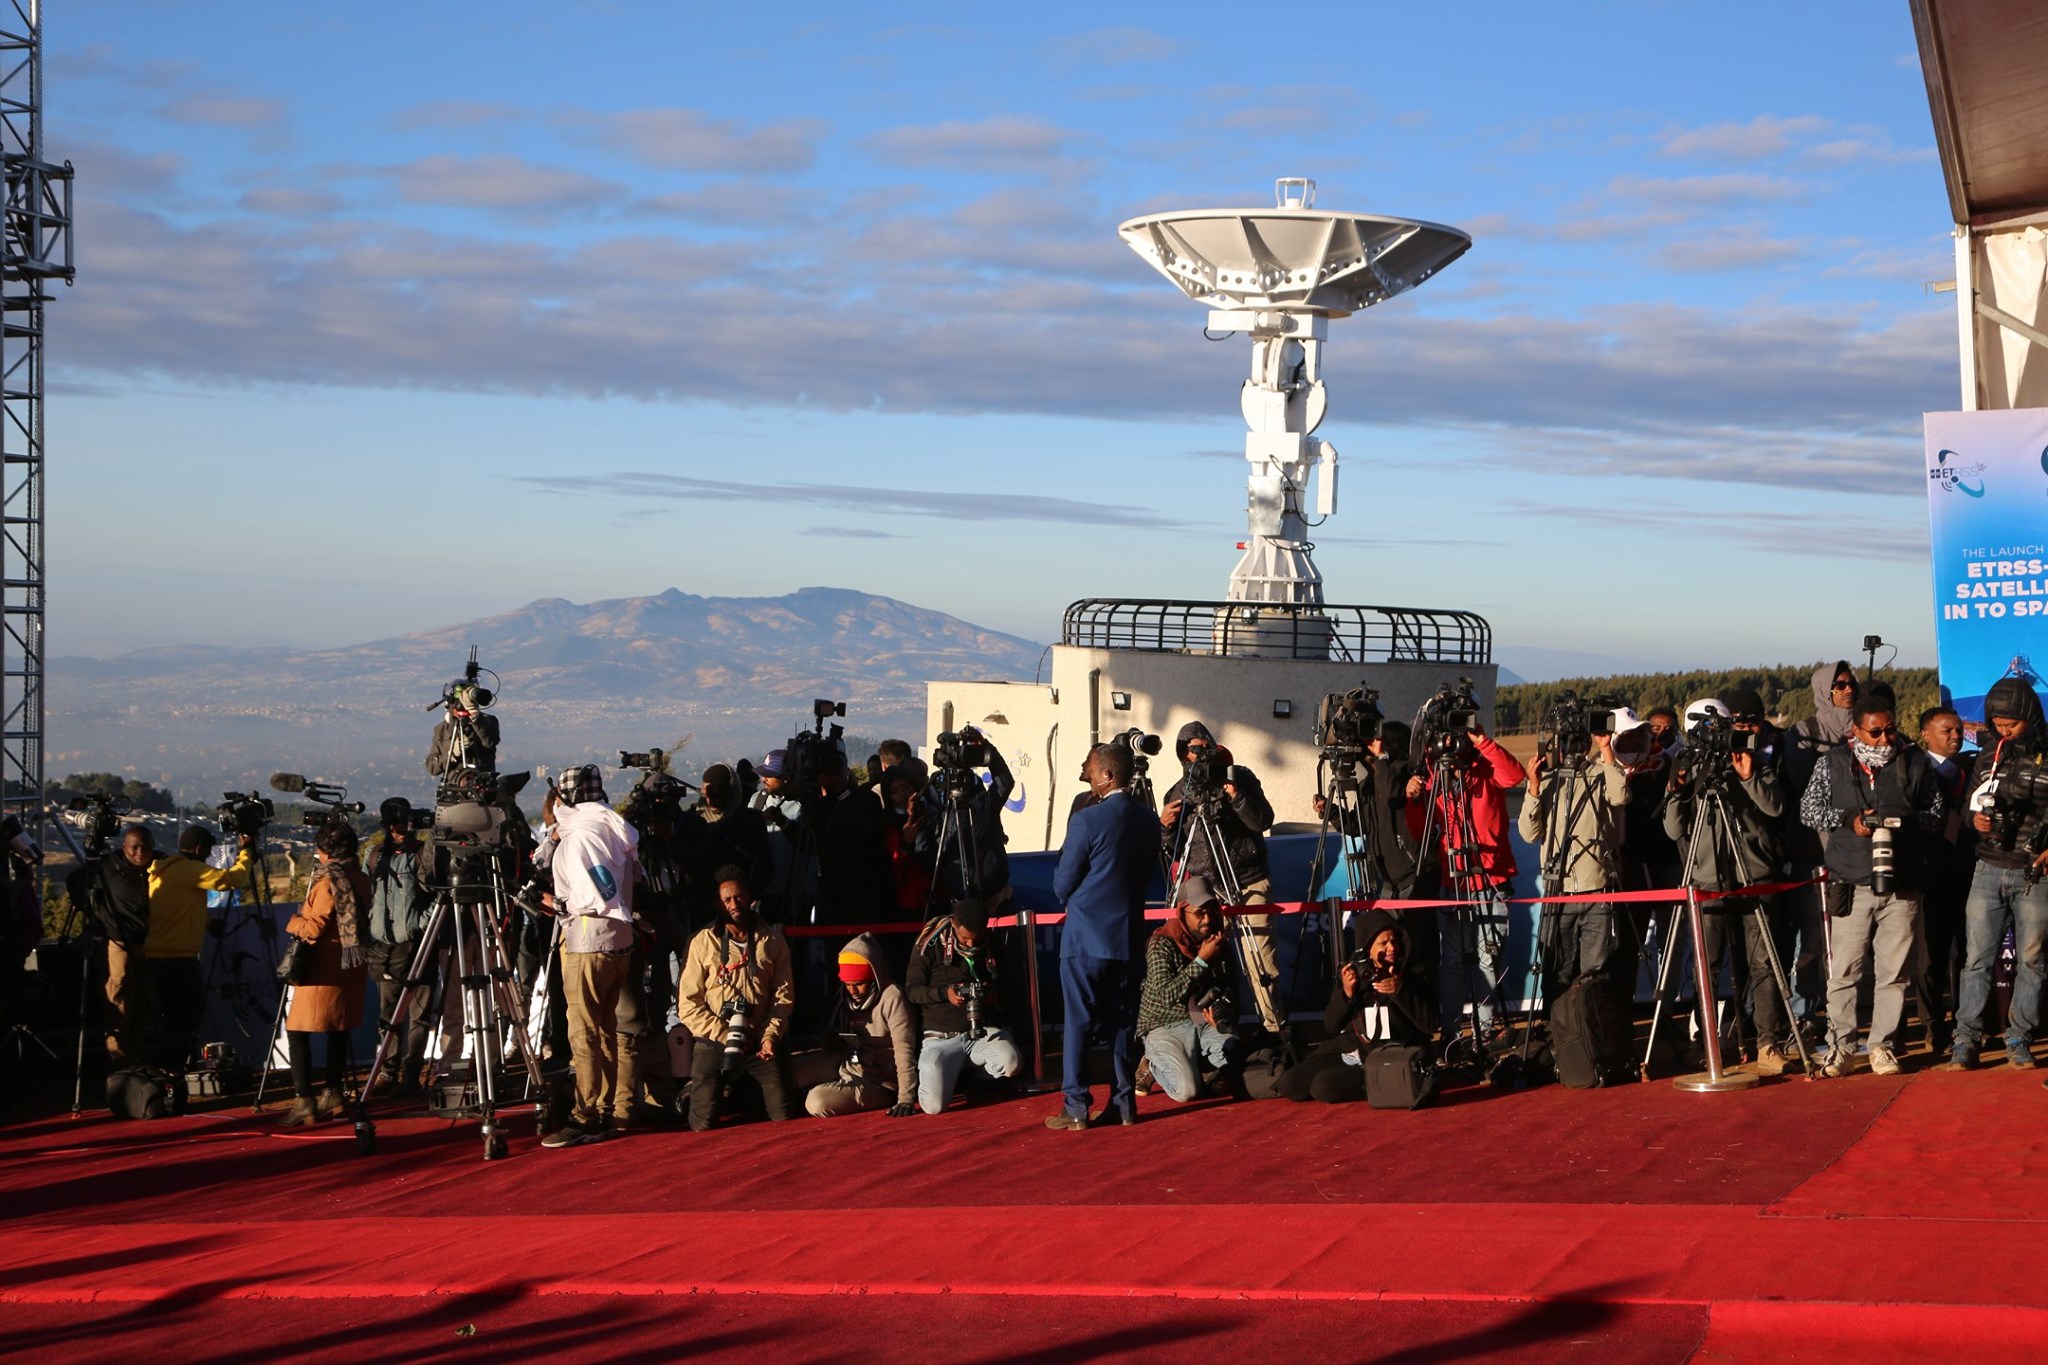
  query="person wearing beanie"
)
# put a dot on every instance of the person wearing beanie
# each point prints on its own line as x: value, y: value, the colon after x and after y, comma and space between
x: 1187, y: 1007
x: 870, y: 1042
x: 1383, y: 995
x: 952, y: 958
x: 2007, y: 798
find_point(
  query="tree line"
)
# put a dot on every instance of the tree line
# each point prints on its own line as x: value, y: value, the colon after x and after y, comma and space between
x: 1787, y: 690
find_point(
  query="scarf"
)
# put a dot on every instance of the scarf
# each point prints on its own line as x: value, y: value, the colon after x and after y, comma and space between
x: 1175, y: 931
x: 1872, y: 756
x: 348, y: 916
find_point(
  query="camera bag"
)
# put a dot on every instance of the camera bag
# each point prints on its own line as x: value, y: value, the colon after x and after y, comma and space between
x: 1260, y: 1073
x: 144, y: 1092
x: 1592, y: 1035
x: 1398, y: 1077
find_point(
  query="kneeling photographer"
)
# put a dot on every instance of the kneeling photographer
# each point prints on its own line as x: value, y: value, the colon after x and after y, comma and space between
x: 1382, y: 998
x: 1722, y: 808
x: 952, y: 981
x: 1187, y: 1011
x: 1877, y: 805
x: 1573, y: 814
x: 870, y: 1041
x: 736, y: 1000
x: 1213, y: 824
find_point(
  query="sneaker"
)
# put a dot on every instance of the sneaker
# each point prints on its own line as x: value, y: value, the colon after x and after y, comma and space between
x: 1839, y: 1062
x: 574, y: 1134
x: 1771, y: 1060
x: 1882, y: 1062
x: 1144, y: 1084
x: 2019, y: 1052
x: 301, y: 1114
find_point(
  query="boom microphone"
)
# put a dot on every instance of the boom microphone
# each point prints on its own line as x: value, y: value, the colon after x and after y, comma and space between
x: 287, y: 782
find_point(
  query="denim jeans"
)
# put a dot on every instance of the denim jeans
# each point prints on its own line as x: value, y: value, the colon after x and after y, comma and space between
x: 1174, y: 1048
x: 944, y: 1055
x: 1996, y: 895
x: 1471, y: 960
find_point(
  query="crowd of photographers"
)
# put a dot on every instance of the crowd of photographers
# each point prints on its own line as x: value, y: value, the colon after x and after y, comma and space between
x: 655, y: 932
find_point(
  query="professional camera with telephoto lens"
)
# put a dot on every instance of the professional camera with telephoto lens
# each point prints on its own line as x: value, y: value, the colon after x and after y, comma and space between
x: 1884, y: 851
x: 1369, y: 968
x: 974, y: 999
x: 734, y: 1015
x: 1216, y: 1002
x: 1570, y: 725
x: 1143, y: 748
x: 467, y: 693
x: 244, y: 812
x: 1445, y: 725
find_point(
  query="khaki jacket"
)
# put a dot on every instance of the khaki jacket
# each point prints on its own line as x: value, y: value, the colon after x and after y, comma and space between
x: 756, y: 968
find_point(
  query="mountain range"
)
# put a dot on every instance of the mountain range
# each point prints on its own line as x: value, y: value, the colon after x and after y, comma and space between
x: 577, y: 682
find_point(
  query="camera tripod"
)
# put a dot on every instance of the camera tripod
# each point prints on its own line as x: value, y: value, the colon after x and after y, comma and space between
x: 1343, y: 814
x: 1572, y: 795
x: 1713, y: 830
x: 89, y: 859
x: 468, y: 912
x: 1450, y: 819
x: 1202, y: 816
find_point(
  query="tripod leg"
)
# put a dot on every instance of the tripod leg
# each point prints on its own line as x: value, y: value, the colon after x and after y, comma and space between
x: 1763, y: 925
x: 418, y: 984
x: 1660, y: 995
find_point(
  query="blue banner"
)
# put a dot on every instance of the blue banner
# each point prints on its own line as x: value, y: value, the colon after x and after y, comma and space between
x: 1987, y: 505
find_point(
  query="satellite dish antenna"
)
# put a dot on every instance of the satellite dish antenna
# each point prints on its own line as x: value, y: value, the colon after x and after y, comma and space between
x: 1280, y: 275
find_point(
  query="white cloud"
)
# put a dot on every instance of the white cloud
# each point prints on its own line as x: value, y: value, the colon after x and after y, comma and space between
x: 509, y: 183
x: 1003, y: 142
x: 692, y: 140
x: 1762, y: 137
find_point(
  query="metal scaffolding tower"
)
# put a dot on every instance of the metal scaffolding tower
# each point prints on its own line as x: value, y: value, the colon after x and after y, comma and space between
x: 35, y: 248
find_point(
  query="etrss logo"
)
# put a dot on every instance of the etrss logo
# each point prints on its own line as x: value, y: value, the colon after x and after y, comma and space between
x: 1967, y: 479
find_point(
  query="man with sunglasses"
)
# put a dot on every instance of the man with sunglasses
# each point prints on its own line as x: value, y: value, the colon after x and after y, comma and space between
x: 1865, y: 794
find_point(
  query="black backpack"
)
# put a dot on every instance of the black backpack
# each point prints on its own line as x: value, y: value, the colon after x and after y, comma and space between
x: 1592, y: 1035
x: 144, y: 1092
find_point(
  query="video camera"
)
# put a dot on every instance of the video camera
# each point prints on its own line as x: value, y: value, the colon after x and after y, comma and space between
x: 244, y: 812
x: 1346, y: 723
x: 1571, y: 723
x: 1445, y: 725
x: 1710, y: 747
x: 331, y: 797
x: 802, y: 755
x: 955, y: 757
x: 99, y: 816
x: 658, y: 794
x: 467, y: 693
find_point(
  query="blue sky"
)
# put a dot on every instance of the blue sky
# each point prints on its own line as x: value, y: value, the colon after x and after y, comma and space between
x: 386, y: 324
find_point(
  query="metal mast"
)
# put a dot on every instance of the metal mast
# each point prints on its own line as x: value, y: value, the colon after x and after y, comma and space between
x: 35, y: 248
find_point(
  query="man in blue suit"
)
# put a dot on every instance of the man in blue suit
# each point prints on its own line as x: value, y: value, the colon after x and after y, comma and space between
x: 1111, y: 852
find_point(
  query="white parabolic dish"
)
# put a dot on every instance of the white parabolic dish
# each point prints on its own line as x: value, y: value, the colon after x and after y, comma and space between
x: 1302, y: 259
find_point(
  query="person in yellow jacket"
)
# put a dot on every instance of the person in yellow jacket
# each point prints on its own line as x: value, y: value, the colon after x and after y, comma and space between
x: 178, y: 884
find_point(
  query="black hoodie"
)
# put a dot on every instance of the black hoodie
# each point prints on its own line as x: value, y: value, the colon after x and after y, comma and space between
x: 1242, y: 824
x: 1362, y: 1022
x: 2018, y: 766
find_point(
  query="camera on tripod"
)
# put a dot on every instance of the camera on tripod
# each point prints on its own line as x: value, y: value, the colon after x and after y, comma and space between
x: 960, y: 751
x: 467, y: 692
x: 1570, y: 725
x: 330, y: 798
x: 1445, y: 725
x: 1143, y: 748
x: 99, y: 816
x: 802, y: 756
x: 1347, y: 722
x: 1707, y: 760
x: 244, y: 813
x: 658, y: 795
x: 734, y: 1014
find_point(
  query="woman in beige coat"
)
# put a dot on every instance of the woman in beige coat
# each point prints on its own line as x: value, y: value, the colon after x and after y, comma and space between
x: 328, y: 998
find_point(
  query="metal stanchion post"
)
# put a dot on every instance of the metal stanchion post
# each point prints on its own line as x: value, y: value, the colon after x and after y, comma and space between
x: 1029, y: 924
x: 1713, y: 1078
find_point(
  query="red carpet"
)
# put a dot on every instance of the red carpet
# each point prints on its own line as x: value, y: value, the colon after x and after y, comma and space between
x: 1839, y: 1220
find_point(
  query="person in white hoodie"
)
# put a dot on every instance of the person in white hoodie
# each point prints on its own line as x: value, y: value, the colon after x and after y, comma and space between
x: 594, y: 856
